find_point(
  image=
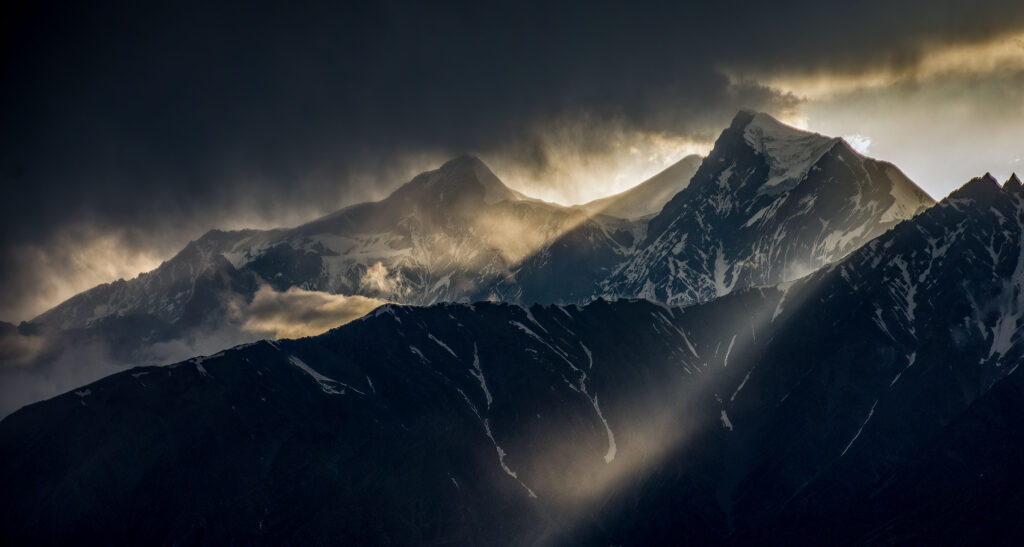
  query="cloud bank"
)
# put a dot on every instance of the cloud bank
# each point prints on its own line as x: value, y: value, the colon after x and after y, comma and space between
x: 37, y: 364
x: 297, y: 312
x: 147, y: 125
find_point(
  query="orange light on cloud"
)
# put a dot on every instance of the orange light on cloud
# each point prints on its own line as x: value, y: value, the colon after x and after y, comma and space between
x: 1004, y: 53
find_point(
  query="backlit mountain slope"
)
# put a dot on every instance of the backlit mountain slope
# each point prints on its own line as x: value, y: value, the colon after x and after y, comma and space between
x: 648, y: 197
x: 810, y: 413
x: 769, y: 204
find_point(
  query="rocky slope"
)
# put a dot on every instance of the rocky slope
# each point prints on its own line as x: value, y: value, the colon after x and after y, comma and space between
x: 859, y: 403
x: 769, y: 204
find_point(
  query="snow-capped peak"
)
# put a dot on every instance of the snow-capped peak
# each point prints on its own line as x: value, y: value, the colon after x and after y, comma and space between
x: 790, y: 152
x: 457, y: 174
x: 651, y: 195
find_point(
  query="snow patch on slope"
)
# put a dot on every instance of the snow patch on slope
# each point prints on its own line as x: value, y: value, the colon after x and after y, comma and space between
x: 478, y: 373
x: 861, y: 429
x: 326, y: 384
x: 501, y: 452
x: 790, y: 152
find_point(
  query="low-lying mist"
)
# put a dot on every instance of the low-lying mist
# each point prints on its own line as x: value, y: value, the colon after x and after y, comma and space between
x: 37, y: 363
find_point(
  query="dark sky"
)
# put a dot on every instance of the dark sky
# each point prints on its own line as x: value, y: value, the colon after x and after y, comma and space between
x: 127, y: 129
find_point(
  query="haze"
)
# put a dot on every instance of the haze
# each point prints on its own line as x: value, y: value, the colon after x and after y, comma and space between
x: 127, y: 130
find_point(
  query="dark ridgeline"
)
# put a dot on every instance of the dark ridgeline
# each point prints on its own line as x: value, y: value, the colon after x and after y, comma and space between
x: 875, y: 400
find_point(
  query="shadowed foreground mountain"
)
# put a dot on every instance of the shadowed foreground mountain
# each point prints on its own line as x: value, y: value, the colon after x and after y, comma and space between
x: 874, y: 400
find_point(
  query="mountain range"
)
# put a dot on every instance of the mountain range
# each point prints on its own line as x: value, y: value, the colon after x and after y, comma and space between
x: 769, y: 204
x: 799, y: 347
x: 862, y: 403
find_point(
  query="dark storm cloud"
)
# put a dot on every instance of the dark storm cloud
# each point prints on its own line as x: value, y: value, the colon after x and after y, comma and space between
x: 151, y: 123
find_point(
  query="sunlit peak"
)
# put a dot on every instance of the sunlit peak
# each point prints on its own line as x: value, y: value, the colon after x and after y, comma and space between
x: 860, y: 143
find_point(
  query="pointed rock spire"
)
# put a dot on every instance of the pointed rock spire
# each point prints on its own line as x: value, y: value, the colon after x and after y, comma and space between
x: 462, y: 178
x: 1013, y: 185
x: 742, y: 118
x: 983, y: 189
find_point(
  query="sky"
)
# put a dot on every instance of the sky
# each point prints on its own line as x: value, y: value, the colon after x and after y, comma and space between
x: 128, y: 129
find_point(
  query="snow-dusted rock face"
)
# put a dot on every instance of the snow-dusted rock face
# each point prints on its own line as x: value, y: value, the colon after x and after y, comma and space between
x: 447, y: 235
x: 572, y: 267
x: 769, y: 204
x: 877, y: 400
x: 926, y: 280
x: 164, y: 293
x: 453, y: 234
x: 904, y: 376
x: 440, y: 237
